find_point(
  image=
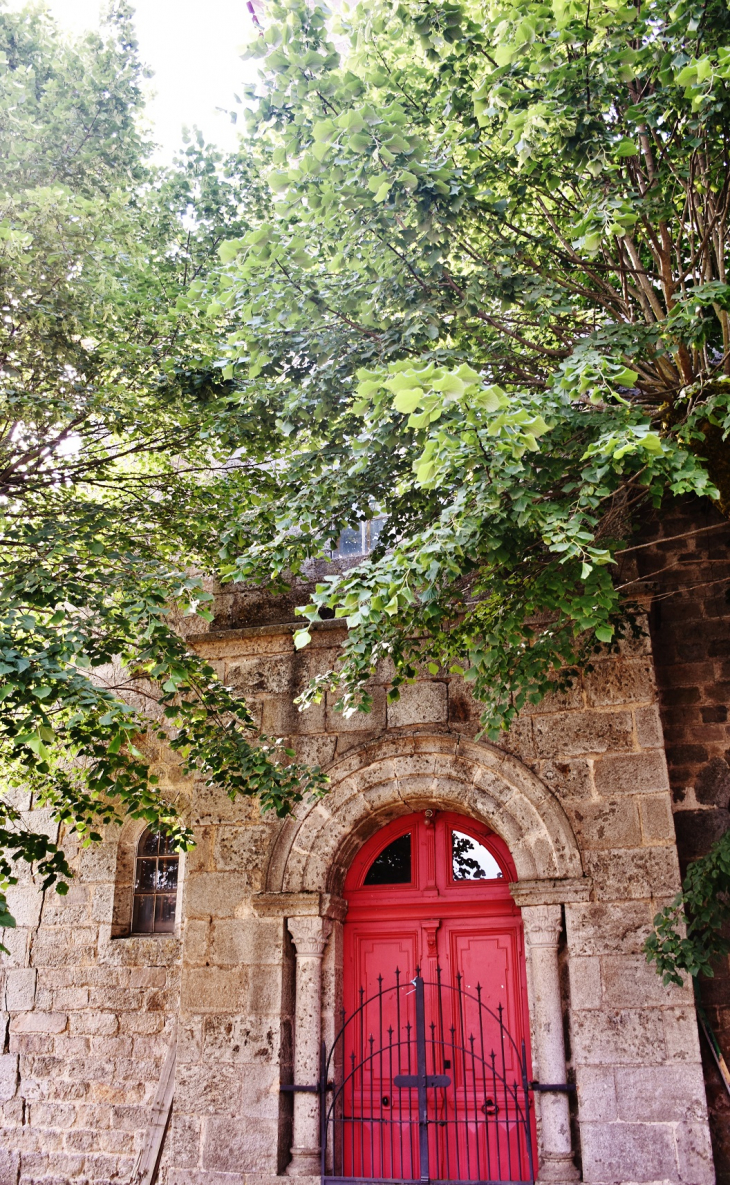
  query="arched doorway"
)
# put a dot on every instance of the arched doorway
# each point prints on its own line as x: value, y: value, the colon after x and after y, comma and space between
x: 430, y: 1066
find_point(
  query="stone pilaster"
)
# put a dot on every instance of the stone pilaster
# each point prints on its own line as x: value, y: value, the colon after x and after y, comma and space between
x: 310, y: 936
x: 542, y: 924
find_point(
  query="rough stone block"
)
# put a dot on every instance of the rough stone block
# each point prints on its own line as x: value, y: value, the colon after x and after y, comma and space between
x: 215, y: 894
x: 245, y: 941
x: 596, y: 1094
x: 634, y: 773
x: 211, y: 1088
x: 24, y: 902
x: 315, y: 750
x: 262, y: 675
x: 649, y: 732
x: 630, y: 1152
x: 629, y: 1036
x: 9, y: 1167
x: 265, y: 990
x: 8, y: 1076
x: 603, y: 927
x: 651, y: 1094
x: 569, y: 778
x: 657, y: 823
x: 629, y: 981
x: 20, y: 986
x: 39, y: 1022
x: 250, y: 1147
x: 585, y: 982
x: 281, y: 717
x: 182, y: 1143
x: 372, y: 721
x: 607, y: 825
x: 681, y: 1037
x: 622, y: 682
x: 89, y: 1022
x: 213, y: 989
x: 694, y: 1153
x: 419, y: 703
x: 637, y: 873
x: 242, y: 1039
x: 242, y: 849
x: 98, y: 862
x: 572, y: 733
x: 102, y: 903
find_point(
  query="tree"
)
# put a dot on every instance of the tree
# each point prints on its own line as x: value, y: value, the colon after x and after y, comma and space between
x: 116, y: 437
x: 489, y: 301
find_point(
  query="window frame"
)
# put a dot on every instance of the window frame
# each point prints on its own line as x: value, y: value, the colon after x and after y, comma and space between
x: 155, y: 893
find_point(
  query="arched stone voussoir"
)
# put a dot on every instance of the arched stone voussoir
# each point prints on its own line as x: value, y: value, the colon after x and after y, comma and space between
x: 391, y: 776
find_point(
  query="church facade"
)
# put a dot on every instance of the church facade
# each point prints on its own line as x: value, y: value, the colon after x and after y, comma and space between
x: 349, y: 978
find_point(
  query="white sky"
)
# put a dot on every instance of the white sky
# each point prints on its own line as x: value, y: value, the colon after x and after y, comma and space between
x: 193, y: 47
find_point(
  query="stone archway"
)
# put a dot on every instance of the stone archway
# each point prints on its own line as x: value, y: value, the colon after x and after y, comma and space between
x: 377, y: 782
x: 392, y: 776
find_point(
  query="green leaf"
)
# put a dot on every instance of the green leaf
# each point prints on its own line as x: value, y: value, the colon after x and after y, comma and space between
x: 408, y: 400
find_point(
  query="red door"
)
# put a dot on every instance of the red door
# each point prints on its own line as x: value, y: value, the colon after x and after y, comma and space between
x: 431, y: 925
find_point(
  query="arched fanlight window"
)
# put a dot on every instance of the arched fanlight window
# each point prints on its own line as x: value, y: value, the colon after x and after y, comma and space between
x: 155, y: 884
x: 471, y: 861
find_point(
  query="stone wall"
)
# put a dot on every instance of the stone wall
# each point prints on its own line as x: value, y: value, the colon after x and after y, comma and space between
x: 684, y: 576
x: 579, y: 791
x: 86, y: 1023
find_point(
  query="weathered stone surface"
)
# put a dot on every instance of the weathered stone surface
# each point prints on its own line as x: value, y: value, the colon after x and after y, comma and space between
x: 631, y: 773
x: 214, y: 989
x: 20, y: 986
x: 630, y: 1152
x: 578, y: 787
x: 583, y: 732
x: 419, y: 703
x: 371, y: 721
x: 229, y: 1147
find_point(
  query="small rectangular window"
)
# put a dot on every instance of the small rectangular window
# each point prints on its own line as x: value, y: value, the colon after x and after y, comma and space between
x: 155, y: 884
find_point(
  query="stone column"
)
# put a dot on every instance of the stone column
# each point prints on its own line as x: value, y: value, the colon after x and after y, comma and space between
x: 310, y: 936
x: 542, y: 924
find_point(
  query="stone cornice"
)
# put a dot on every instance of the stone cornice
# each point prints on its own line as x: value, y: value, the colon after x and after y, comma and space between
x: 299, y: 905
x: 559, y: 891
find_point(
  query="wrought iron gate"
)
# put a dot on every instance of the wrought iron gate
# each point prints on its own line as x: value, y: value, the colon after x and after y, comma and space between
x: 424, y: 1083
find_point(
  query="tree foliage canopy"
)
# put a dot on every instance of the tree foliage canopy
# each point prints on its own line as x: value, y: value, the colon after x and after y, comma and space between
x: 489, y: 301
x: 116, y: 431
x: 467, y: 274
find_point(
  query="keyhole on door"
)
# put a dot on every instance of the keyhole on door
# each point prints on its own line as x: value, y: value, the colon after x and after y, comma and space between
x: 385, y: 1100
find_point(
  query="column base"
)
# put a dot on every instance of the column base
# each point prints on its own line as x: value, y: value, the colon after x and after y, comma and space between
x: 305, y: 1162
x: 557, y: 1168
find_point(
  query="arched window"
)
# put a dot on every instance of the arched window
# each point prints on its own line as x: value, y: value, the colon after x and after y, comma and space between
x: 155, y: 884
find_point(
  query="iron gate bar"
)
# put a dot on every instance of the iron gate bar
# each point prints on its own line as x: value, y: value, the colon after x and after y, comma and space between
x: 484, y: 1122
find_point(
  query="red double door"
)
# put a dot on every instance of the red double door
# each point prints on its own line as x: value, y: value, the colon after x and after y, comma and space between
x: 431, y: 925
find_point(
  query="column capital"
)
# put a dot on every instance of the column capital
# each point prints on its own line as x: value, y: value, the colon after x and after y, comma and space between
x: 542, y: 925
x: 309, y: 935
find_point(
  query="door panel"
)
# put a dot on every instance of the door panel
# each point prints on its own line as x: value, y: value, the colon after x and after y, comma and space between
x: 455, y: 925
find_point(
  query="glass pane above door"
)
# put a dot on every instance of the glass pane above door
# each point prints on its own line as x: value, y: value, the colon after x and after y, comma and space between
x: 471, y: 861
x: 393, y: 865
